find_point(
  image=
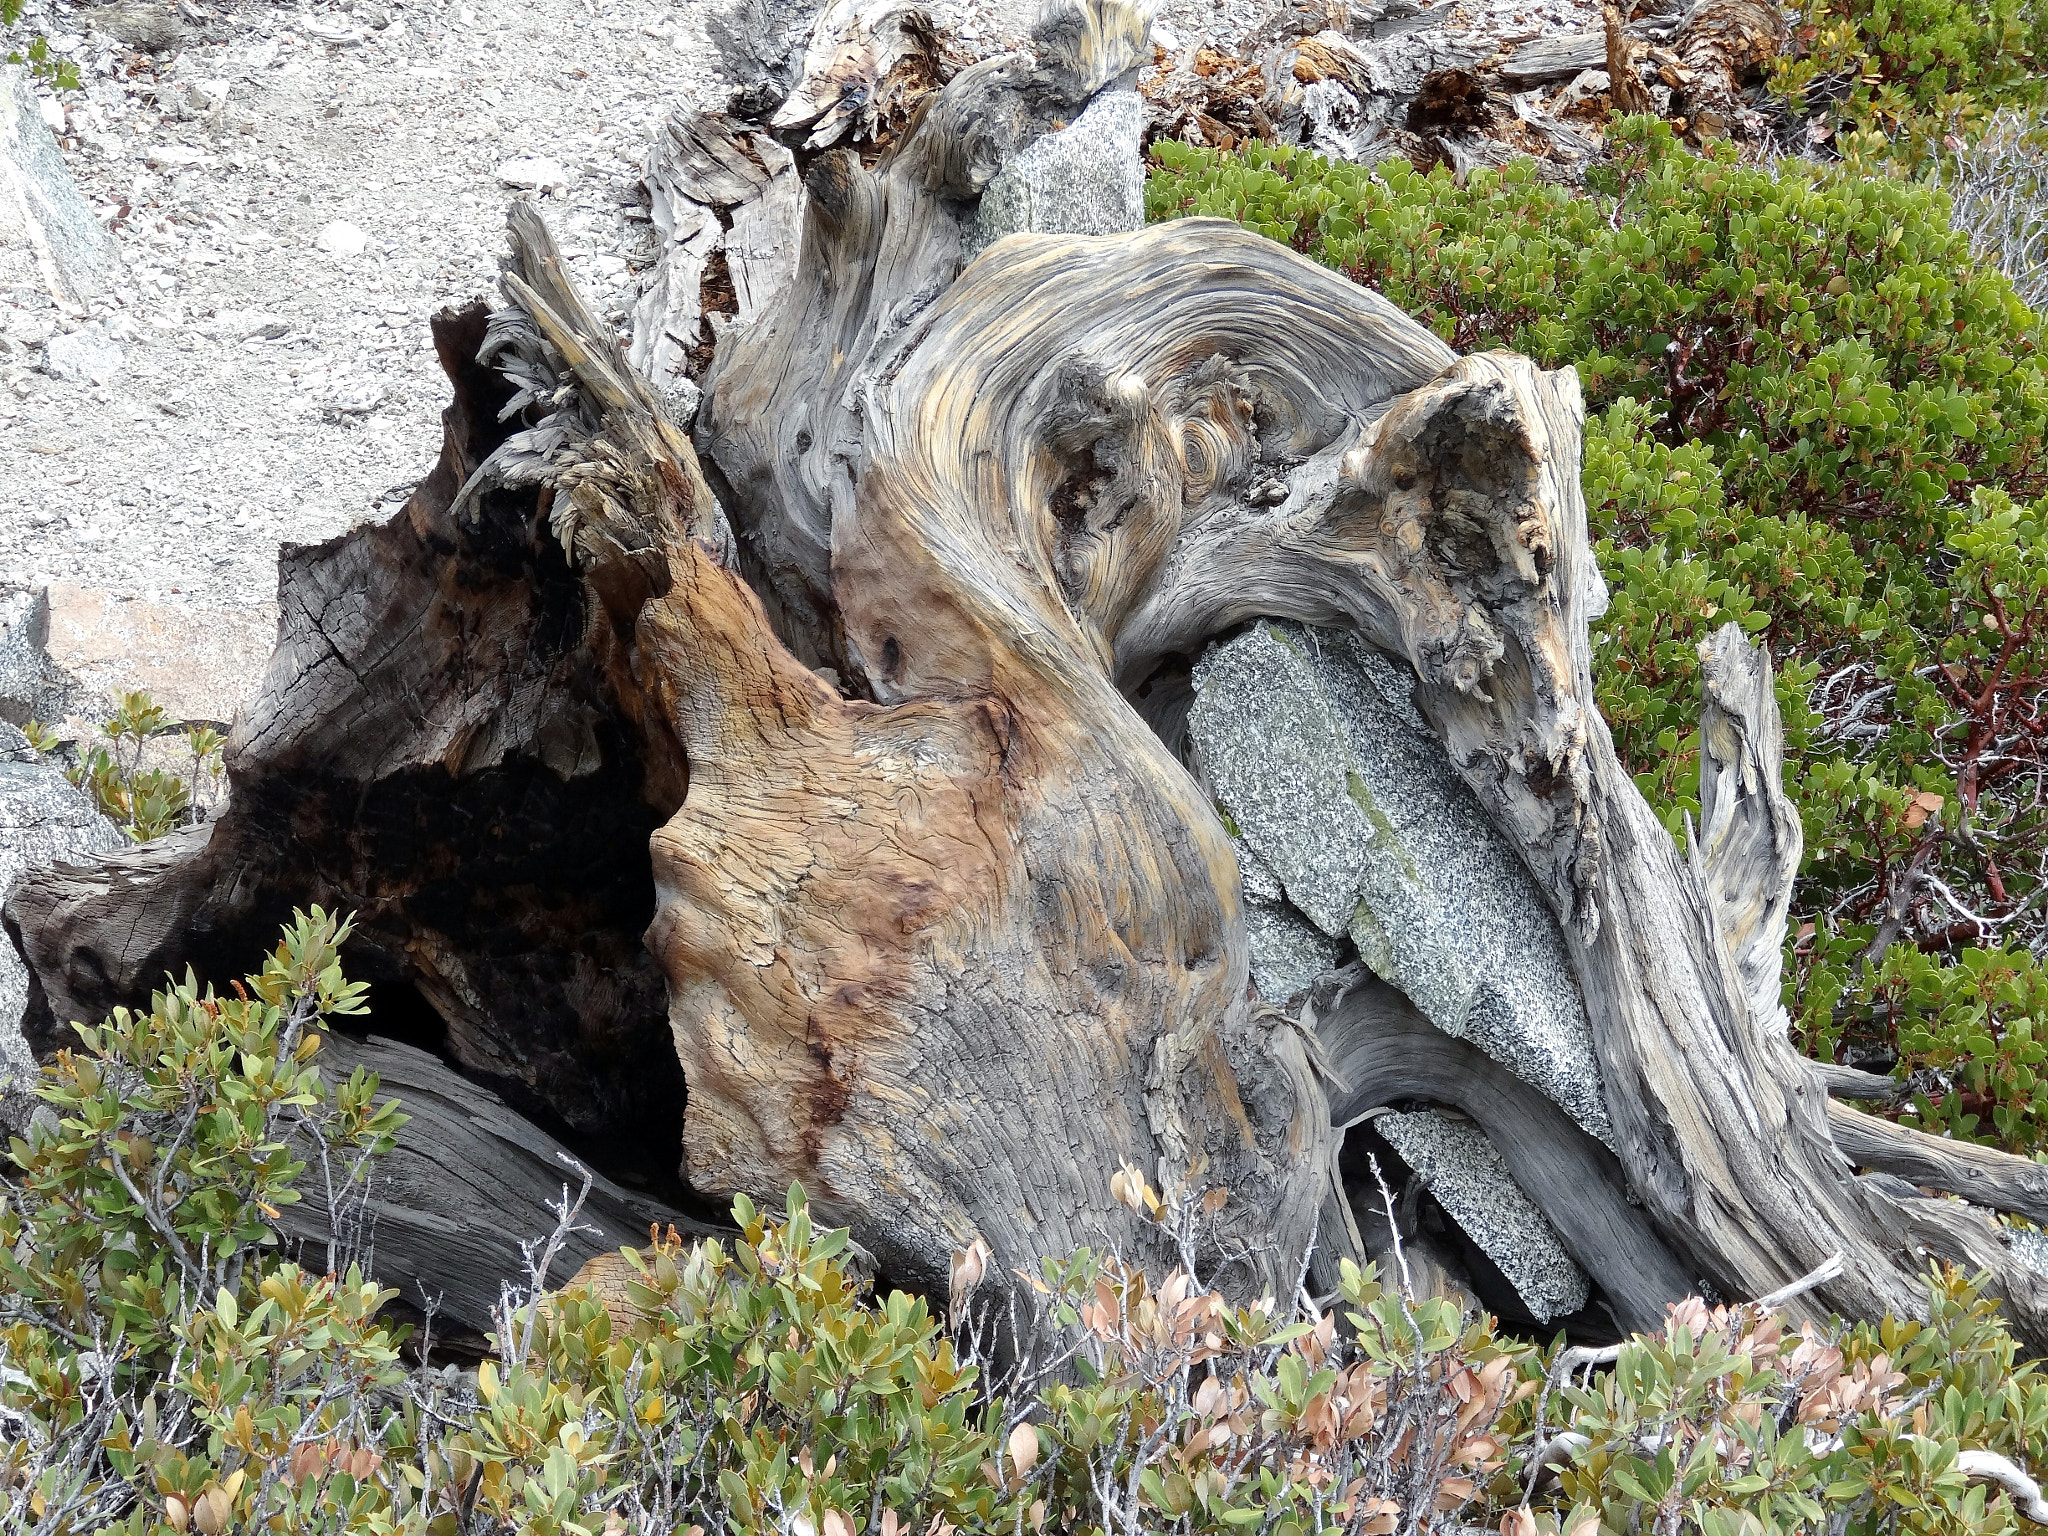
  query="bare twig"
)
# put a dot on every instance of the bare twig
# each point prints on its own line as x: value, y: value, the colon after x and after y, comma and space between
x: 1819, y: 1275
x: 1989, y: 1467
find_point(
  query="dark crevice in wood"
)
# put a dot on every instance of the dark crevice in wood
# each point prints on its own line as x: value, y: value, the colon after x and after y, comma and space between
x: 1163, y: 701
x: 448, y: 745
x: 1466, y: 1264
x: 1387, y: 1054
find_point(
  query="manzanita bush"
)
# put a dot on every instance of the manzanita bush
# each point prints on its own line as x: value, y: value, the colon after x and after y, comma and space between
x: 163, y: 1363
x: 143, y: 800
x: 1908, y: 80
x: 167, y: 1366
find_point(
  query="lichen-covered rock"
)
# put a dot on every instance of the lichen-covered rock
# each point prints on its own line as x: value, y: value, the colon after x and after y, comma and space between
x: 1473, y: 1184
x: 49, y: 238
x: 1087, y: 178
x: 1311, y: 743
x: 1287, y: 950
x: 43, y: 821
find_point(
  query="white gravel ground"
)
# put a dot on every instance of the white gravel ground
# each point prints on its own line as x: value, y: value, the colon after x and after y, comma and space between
x: 270, y: 390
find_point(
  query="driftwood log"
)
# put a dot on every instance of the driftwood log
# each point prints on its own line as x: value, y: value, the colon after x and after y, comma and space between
x: 935, y: 920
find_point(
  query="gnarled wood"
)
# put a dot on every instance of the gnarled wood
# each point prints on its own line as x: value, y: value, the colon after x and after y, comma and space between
x: 1747, y: 847
x: 1044, y: 505
x: 1383, y: 1051
x: 855, y: 898
x: 951, y: 953
x: 1854, y: 1083
x: 1725, y: 44
x: 713, y: 192
x: 782, y: 417
x: 447, y: 743
x: 1982, y: 1175
x: 1624, y: 85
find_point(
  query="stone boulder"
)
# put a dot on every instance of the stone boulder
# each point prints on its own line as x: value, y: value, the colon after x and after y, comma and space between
x: 1087, y: 178
x: 68, y: 649
x: 43, y: 821
x: 1336, y: 789
x: 49, y: 238
x: 31, y: 686
x: 1288, y: 952
x: 1472, y: 1182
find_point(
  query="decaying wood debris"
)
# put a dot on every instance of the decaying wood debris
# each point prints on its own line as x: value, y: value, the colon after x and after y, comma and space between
x: 799, y: 785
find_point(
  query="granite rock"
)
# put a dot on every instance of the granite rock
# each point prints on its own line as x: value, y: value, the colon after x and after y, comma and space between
x: 680, y: 402
x: 1087, y: 178
x: 69, y: 649
x: 2029, y: 1245
x: 43, y: 821
x: 1287, y: 950
x: 1311, y: 741
x: 84, y: 356
x: 141, y: 24
x: 31, y: 686
x: 1471, y: 1181
x: 49, y: 238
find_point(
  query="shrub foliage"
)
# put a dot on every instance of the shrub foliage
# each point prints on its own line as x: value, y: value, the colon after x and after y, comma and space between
x: 1912, y: 78
x: 143, y: 801
x: 161, y: 1362
x: 166, y: 1366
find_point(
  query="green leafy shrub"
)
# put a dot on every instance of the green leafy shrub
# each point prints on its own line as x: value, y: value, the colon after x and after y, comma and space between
x: 1730, y: 1421
x: 762, y: 1389
x: 1972, y: 1038
x: 1169, y: 1407
x: 1810, y: 411
x: 144, y: 802
x: 161, y: 1365
x: 35, y: 54
x: 1900, y: 76
x: 166, y: 1368
x: 755, y: 1387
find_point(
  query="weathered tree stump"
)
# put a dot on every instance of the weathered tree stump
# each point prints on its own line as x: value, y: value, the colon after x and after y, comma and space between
x: 952, y: 933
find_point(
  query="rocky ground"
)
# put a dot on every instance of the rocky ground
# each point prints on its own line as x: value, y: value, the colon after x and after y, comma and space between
x: 294, y: 194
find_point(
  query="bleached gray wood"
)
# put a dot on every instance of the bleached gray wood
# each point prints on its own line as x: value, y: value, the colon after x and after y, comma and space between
x: 1747, y: 847
x: 1982, y: 1175
x: 952, y: 953
x: 711, y: 187
x: 1555, y: 56
x: 1854, y: 1083
x: 782, y: 407
x: 448, y: 1208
